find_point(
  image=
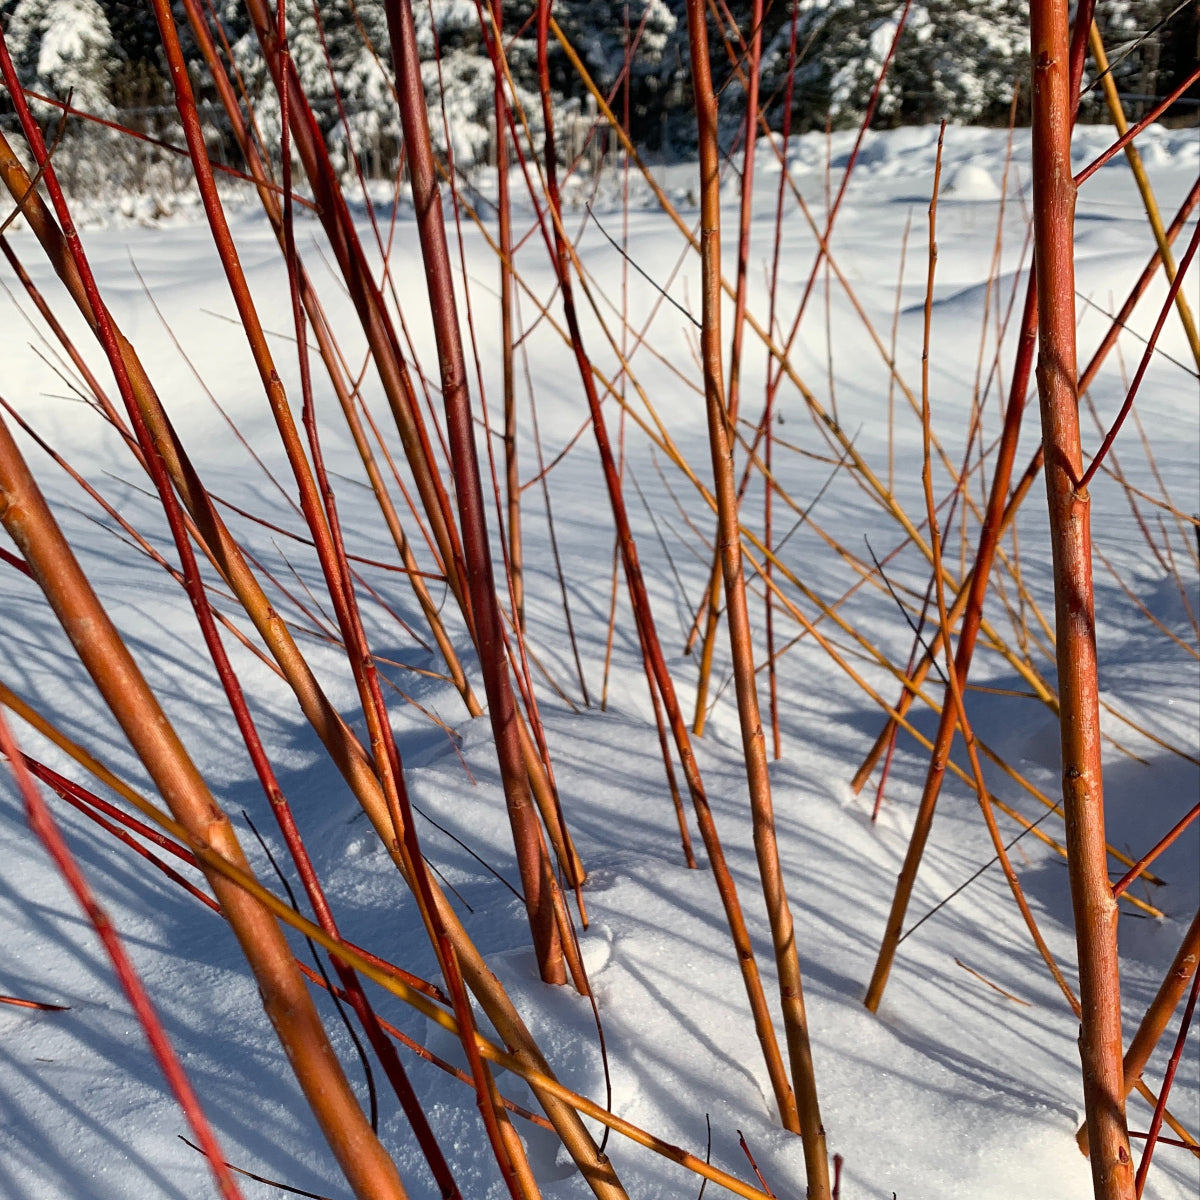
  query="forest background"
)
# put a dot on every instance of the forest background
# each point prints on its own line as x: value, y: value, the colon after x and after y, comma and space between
x: 957, y: 60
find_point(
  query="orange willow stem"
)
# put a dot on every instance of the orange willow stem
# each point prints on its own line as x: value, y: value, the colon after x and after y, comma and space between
x: 537, y: 1076
x: 344, y: 748
x: 738, y: 615
x: 970, y: 602
x: 826, y: 424
x: 366, y: 1165
x: 1070, y: 534
x: 512, y: 474
x: 43, y: 824
x: 749, y: 137
x: 655, y: 663
x: 1023, y: 485
x: 368, y: 1168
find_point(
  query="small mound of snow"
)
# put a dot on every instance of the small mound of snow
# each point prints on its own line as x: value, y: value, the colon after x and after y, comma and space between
x: 144, y: 209
x: 971, y: 182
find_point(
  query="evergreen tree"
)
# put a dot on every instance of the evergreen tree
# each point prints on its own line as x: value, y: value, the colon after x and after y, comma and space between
x: 62, y: 46
x: 1152, y: 46
x: 957, y: 59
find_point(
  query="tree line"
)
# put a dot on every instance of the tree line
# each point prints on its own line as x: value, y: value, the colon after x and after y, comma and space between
x: 955, y: 59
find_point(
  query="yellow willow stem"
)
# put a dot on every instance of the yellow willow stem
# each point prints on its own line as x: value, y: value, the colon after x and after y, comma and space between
x: 1117, y: 112
x: 737, y: 611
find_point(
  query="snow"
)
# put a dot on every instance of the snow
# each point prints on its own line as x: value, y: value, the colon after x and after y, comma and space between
x: 972, y: 182
x: 70, y: 47
x: 953, y: 1091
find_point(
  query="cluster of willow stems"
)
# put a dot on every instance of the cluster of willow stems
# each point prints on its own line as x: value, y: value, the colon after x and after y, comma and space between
x: 440, y: 534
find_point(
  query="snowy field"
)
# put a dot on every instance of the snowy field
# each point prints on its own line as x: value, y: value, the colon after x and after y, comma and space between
x: 956, y: 1090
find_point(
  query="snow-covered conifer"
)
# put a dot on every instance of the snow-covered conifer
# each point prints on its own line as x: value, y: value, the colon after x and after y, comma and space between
x: 64, y: 45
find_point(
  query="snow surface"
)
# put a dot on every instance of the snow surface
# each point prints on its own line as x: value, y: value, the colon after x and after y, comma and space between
x: 953, y: 1090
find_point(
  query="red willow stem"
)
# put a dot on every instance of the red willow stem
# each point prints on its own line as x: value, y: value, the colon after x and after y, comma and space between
x: 384, y: 1048
x: 1184, y: 263
x: 61, y: 334
x: 368, y: 302
x: 335, y: 570
x: 1070, y: 534
x: 822, y: 245
x: 1133, y: 131
x: 1149, y: 202
x: 530, y: 730
x: 251, y: 112
x: 17, y: 563
x: 134, y: 536
x: 1019, y: 385
x: 82, y: 799
x: 1146, y: 859
x: 344, y: 748
x: 356, y: 644
x: 1157, y: 1016
x: 712, y: 593
x: 43, y: 825
x: 543, y: 481
x: 427, y: 1054
x: 754, y: 1165
x: 537, y: 878
x: 1080, y: 28
x: 548, y: 915
x: 768, y: 492
x: 1166, y: 1141
x: 95, y: 767
x: 330, y: 355
x: 87, y: 802
x: 93, y: 806
x: 954, y: 698
x: 310, y: 504
x: 70, y: 111
x: 738, y: 617
x: 656, y: 668
x: 1021, y: 490
x: 614, y: 593
x: 769, y: 407
x: 1168, y: 1079
x: 745, y: 213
